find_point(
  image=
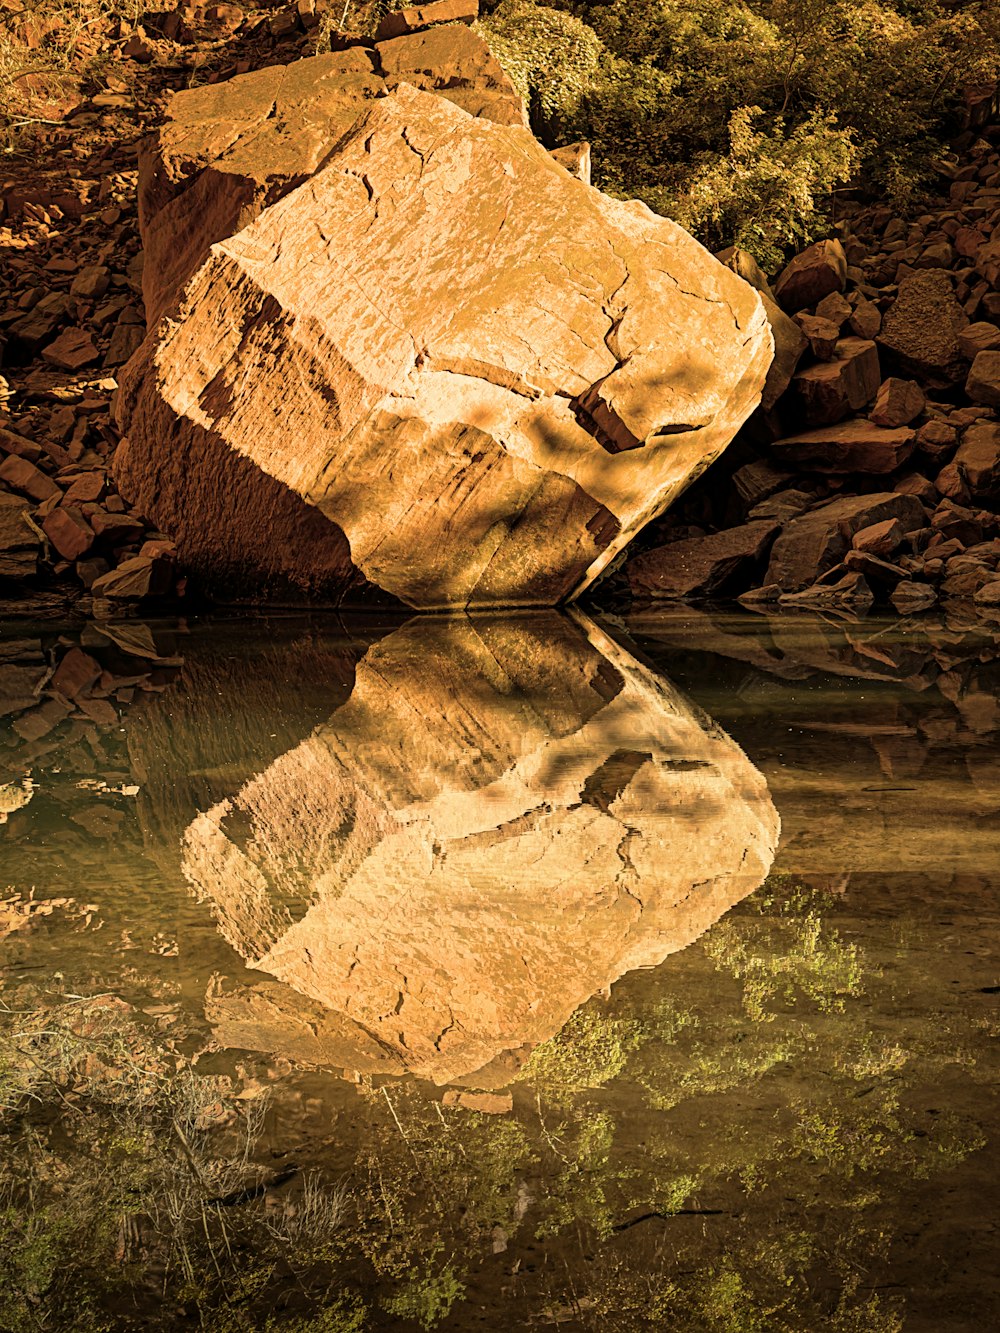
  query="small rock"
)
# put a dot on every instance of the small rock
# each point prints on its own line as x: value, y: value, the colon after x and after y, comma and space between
x: 72, y: 350
x: 983, y: 383
x: 76, y: 674
x: 866, y: 321
x: 989, y: 594
x: 936, y: 438
x: 898, y: 402
x: 24, y: 477
x: 699, y: 566
x: 811, y: 275
x: 908, y: 597
x: 69, y: 532
x: 879, y: 539
x: 979, y: 337
x: 979, y: 457
x: 828, y: 392
x: 822, y: 334
x: 851, y: 593
x: 91, y: 282
x: 135, y: 579
x: 835, y: 308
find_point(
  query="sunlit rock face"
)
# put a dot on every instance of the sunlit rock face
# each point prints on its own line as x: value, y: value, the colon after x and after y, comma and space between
x: 502, y: 820
x: 426, y: 365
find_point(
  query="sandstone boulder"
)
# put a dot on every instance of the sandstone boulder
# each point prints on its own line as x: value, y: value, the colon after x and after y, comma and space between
x: 439, y: 367
x: 789, y: 340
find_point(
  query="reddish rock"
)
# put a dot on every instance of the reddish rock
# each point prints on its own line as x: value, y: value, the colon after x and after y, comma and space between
x: 415, y: 17
x: 866, y: 321
x: 908, y: 598
x: 913, y: 483
x: 979, y: 457
x: 979, y: 337
x: 91, y: 282
x: 920, y: 330
x: 849, y: 446
x: 115, y: 529
x: 19, y: 544
x: 835, y: 308
x: 72, y: 350
x: 814, y: 542
x: 86, y: 489
x: 69, y: 532
x: 811, y: 275
x: 24, y: 477
x: 880, y: 539
x: 950, y: 481
x: 822, y: 334
x: 828, y: 392
x: 988, y: 594
x: 983, y: 383
x: 898, y: 403
x: 850, y: 593
x: 936, y: 438
x: 700, y: 566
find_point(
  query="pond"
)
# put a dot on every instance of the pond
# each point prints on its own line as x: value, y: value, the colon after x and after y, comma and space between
x: 496, y: 973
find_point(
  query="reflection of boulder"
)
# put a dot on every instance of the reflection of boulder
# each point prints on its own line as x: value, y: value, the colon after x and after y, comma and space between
x: 503, y: 819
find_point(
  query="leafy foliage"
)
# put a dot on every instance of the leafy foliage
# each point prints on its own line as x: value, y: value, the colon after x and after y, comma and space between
x: 741, y: 118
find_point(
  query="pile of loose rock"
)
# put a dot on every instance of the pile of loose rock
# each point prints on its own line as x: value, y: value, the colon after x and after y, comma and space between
x: 871, y: 474
x: 71, y: 310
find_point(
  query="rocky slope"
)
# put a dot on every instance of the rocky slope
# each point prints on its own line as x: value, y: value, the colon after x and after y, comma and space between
x: 869, y: 475
x: 875, y: 477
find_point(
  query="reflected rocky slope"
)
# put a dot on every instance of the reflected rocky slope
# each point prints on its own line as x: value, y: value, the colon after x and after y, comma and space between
x: 501, y: 820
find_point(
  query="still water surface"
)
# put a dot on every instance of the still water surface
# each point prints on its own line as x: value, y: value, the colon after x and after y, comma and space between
x: 500, y: 974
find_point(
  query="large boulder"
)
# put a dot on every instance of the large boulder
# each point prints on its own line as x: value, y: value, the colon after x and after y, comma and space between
x: 440, y: 366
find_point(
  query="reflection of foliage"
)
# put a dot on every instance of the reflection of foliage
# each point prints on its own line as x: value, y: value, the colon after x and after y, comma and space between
x: 790, y: 954
x: 593, y: 1048
x: 623, y: 1171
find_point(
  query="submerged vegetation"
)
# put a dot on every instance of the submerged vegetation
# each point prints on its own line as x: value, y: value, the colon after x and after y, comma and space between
x: 740, y: 119
x: 141, y: 1187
